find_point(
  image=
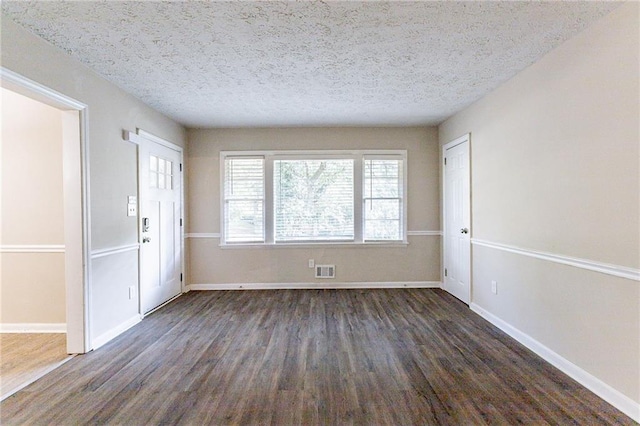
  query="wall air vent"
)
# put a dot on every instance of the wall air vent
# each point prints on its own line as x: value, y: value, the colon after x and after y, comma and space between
x: 325, y: 271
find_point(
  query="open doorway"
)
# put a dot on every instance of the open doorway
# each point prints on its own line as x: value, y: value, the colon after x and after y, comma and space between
x: 42, y: 238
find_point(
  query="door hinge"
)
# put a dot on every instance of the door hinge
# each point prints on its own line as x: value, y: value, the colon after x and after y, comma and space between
x: 180, y: 277
x: 180, y: 221
x: 445, y: 272
x: 180, y: 166
x: 445, y: 161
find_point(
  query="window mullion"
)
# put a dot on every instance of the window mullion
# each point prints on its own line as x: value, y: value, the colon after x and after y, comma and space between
x: 269, y: 209
x: 358, y: 202
x: 403, y: 199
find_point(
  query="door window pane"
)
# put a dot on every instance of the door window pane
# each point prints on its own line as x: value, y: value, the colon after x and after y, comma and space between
x: 160, y: 173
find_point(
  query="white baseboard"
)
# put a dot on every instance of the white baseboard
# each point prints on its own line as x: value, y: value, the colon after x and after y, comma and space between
x: 115, y: 332
x: 162, y: 305
x: 315, y: 286
x: 622, y: 402
x: 33, y: 328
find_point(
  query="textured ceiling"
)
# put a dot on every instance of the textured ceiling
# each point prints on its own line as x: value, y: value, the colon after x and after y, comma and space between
x: 219, y: 64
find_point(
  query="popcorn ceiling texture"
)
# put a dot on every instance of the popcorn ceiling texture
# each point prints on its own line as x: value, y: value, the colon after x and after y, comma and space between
x: 225, y: 64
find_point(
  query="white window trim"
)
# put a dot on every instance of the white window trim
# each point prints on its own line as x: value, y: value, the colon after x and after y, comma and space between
x: 269, y: 221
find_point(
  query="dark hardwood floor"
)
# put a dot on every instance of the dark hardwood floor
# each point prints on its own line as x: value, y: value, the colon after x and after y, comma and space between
x: 334, y: 357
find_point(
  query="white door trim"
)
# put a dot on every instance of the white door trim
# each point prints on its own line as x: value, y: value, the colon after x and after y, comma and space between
x: 158, y: 140
x: 77, y: 219
x: 135, y: 138
x: 447, y: 146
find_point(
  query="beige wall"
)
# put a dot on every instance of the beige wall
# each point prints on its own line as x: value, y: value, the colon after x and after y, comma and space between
x: 209, y: 264
x: 32, y: 287
x: 112, y: 164
x: 555, y: 168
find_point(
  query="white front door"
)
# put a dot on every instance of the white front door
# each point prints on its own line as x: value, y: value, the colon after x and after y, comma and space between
x: 160, y: 223
x: 457, y: 219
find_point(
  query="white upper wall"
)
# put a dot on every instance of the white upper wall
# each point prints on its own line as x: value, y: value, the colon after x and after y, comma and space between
x: 555, y: 150
x: 113, y: 169
x: 112, y: 165
x: 32, y: 285
x: 32, y: 209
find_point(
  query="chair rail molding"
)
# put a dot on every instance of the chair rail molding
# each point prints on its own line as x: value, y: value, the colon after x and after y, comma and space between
x: 33, y: 248
x: 95, y: 254
x: 591, y: 265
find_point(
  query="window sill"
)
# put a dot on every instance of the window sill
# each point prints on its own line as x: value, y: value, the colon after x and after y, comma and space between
x: 394, y: 244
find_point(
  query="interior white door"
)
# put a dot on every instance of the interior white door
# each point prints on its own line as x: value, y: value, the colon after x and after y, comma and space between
x: 160, y: 223
x: 457, y: 214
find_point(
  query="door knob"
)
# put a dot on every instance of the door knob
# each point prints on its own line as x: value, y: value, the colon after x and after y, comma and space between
x: 146, y: 239
x: 464, y: 230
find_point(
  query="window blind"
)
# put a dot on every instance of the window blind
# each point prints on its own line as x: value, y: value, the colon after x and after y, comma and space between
x: 313, y: 200
x: 244, y: 199
x: 382, y: 198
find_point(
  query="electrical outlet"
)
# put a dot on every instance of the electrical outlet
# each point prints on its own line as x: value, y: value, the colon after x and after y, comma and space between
x: 312, y: 263
x: 494, y: 287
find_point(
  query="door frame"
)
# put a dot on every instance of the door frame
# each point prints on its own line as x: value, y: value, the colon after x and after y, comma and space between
x: 457, y: 141
x: 77, y: 218
x: 136, y: 138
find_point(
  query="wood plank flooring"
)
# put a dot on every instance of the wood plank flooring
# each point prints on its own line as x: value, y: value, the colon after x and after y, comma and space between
x: 331, y: 357
x: 26, y: 356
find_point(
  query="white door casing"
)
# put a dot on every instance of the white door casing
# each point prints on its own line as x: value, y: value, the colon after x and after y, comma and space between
x: 77, y: 218
x: 160, y: 191
x: 457, y: 219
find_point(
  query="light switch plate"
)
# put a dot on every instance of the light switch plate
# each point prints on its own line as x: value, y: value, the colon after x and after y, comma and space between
x: 132, y: 209
x: 132, y: 199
